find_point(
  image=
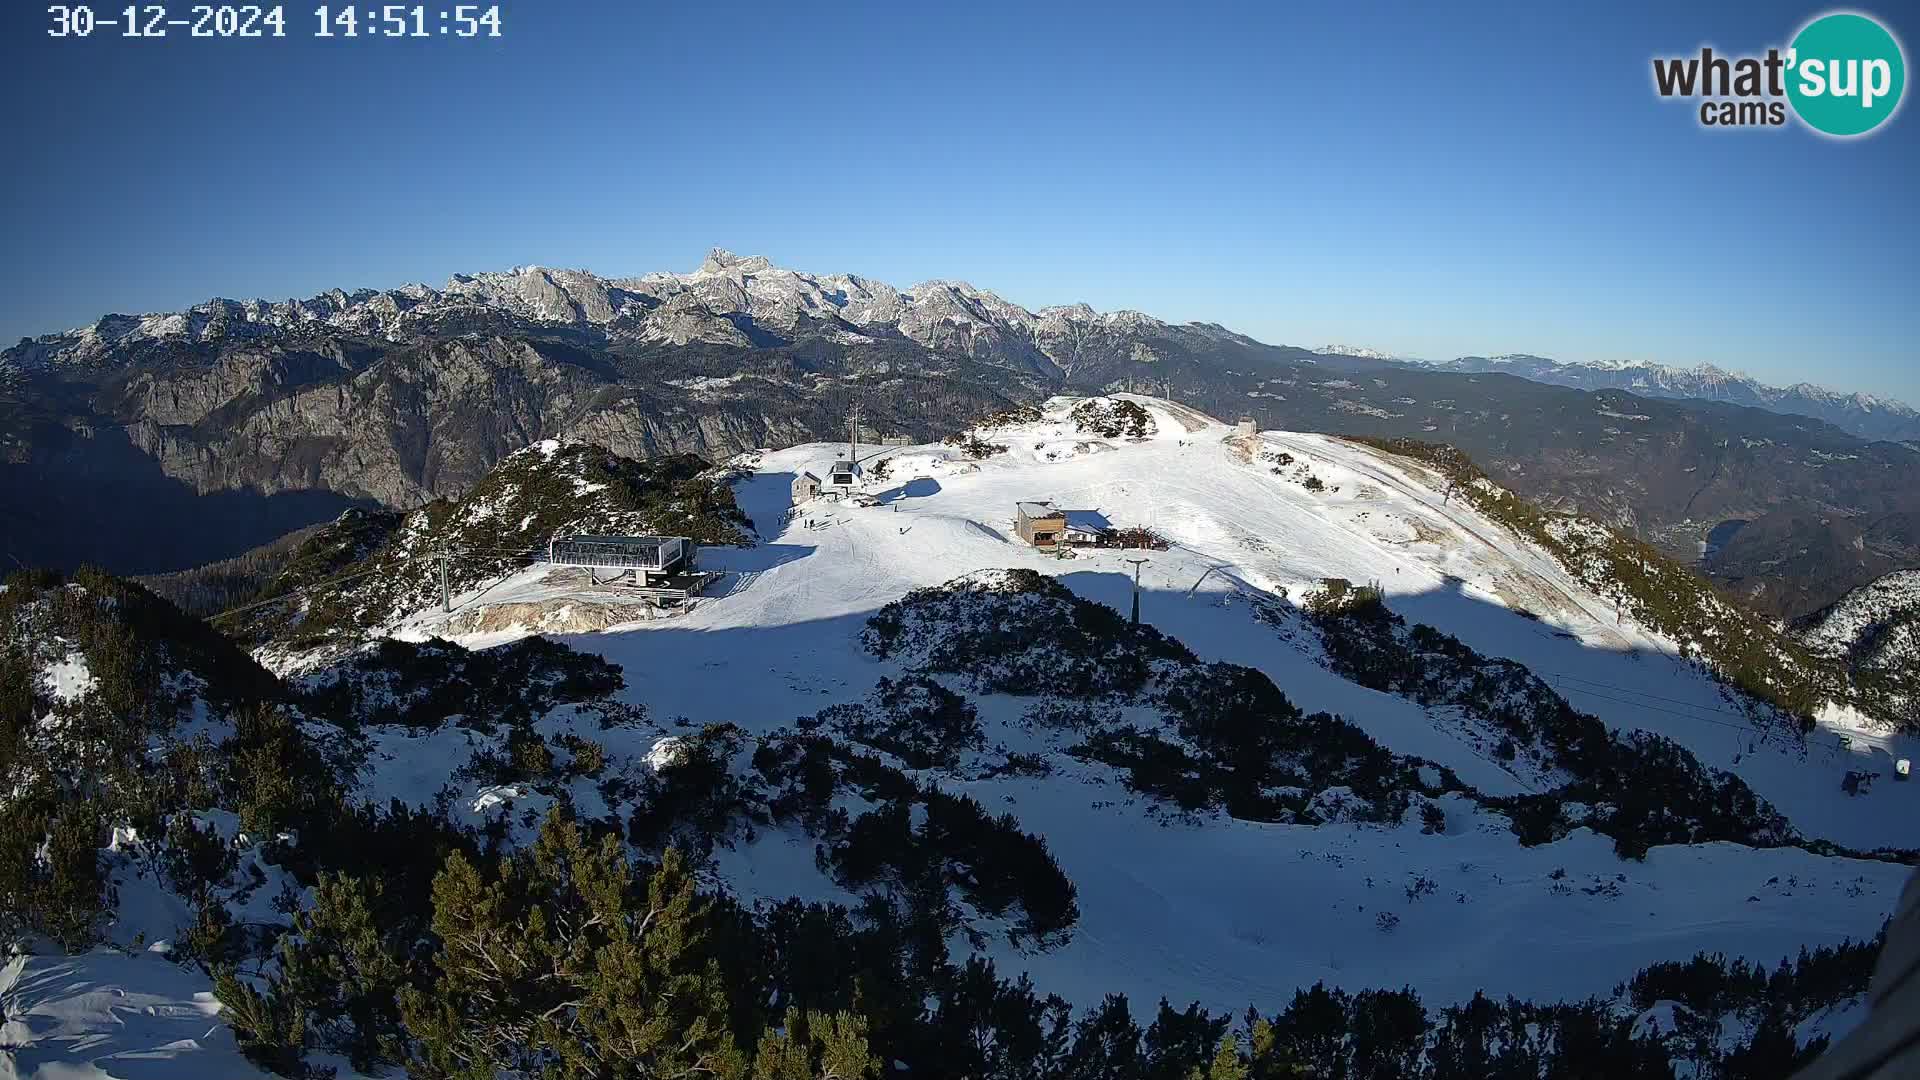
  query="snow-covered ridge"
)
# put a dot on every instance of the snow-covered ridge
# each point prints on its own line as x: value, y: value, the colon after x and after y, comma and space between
x: 674, y: 308
x: 1360, y: 351
x: 1840, y: 628
x: 1866, y: 415
x: 549, y: 488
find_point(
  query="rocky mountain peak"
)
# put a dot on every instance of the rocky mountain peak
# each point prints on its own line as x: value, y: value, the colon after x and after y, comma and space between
x: 722, y: 261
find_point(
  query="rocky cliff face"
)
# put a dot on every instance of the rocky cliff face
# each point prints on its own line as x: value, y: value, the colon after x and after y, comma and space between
x: 201, y: 449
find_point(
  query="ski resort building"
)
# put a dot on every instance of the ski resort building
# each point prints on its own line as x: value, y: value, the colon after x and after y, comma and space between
x: 658, y: 567
x: 1039, y: 523
x: 841, y: 477
x: 650, y: 556
x: 806, y: 488
x: 1045, y: 525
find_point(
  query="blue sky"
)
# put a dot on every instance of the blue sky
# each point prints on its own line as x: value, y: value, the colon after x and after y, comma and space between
x: 1431, y: 179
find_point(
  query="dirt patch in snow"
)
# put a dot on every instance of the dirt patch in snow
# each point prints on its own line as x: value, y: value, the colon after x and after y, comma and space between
x: 562, y: 615
x: 1426, y: 532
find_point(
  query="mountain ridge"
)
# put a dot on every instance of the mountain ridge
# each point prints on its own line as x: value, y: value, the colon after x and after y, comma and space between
x: 657, y: 307
x: 1874, y: 631
x: 1868, y: 416
x: 684, y: 308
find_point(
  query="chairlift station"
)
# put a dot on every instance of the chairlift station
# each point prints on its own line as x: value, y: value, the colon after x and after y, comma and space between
x: 658, y: 567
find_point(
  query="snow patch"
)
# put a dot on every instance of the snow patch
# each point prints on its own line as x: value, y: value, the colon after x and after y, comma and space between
x: 69, y: 679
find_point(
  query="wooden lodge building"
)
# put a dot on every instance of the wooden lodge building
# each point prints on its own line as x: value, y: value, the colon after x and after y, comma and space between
x: 1045, y: 525
x: 1039, y: 523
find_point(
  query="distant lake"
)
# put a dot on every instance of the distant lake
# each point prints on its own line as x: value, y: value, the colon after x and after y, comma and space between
x: 1719, y: 536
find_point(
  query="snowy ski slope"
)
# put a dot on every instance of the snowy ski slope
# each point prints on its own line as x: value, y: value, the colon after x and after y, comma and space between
x: 1229, y: 912
x: 1218, y: 911
x: 793, y: 603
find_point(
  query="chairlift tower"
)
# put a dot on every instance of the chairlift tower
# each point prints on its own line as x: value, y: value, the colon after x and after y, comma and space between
x: 1137, y: 563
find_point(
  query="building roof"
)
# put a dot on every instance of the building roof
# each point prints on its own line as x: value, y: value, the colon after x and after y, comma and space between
x: 625, y: 541
x: 1092, y: 521
x: 807, y: 474
x: 1037, y: 509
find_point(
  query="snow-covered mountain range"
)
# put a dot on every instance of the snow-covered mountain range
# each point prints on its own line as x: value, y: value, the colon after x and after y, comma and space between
x: 747, y: 301
x: 1361, y: 352
x: 728, y: 300
x: 1865, y: 415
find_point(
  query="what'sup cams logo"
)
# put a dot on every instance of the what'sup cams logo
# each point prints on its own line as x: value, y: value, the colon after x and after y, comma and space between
x: 1843, y: 75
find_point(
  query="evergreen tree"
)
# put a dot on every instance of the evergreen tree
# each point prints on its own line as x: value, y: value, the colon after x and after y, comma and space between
x: 1266, y: 1059
x: 1179, y: 1041
x: 1106, y: 1043
x: 563, y: 963
x: 816, y: 1046
x: 344, y: 973
x: 1226, y: 1064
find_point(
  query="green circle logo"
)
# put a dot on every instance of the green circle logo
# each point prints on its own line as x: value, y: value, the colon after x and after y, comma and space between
x: 1845, y: 74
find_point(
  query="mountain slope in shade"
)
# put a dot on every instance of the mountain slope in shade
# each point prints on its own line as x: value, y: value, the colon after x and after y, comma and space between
x: 1864, y: 415
x: 1855, y: 625
x: 1791, y: 562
